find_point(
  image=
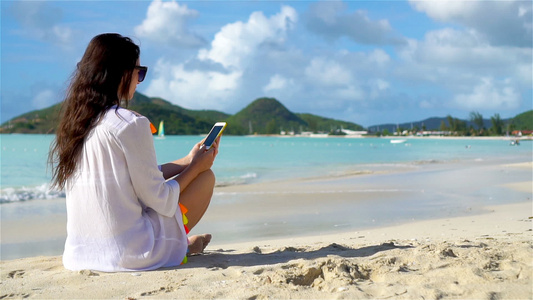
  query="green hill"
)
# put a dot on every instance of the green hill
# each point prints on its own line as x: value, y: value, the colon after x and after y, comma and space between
x: 178, y: 120
x: 42, y: 121
x: 523, y: 121
x: 317, y: 124
x: 269, y: 116
x: 264, y: 116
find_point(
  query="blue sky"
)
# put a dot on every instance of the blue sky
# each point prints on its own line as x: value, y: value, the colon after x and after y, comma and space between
x: 368, y: 62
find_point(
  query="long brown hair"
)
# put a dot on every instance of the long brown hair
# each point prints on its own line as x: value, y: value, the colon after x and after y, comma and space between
x: 101, y: 80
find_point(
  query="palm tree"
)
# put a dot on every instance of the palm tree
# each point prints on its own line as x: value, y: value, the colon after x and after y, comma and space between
x: 477, y: 119
x: 451, y: 123
x: 497, y: 124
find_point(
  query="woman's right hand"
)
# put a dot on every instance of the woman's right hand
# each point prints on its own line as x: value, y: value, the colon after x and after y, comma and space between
x: 202, y: 159
x: 194, y: 150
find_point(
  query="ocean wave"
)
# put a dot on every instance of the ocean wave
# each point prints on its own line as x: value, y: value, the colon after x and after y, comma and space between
x: 236, y: 180
x: 42, y: 192
x: 24, y: 193
x: 426, y: 162
x: 314, y: 192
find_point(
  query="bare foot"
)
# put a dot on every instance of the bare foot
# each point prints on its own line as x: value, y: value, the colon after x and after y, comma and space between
x: 197, y: 243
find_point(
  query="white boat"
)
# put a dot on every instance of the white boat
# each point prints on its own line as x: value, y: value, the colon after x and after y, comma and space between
x: 161, y: 131
x: 398, y: 141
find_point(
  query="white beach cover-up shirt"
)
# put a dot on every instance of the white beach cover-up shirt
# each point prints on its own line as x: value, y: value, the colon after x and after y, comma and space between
x: 122, y: 214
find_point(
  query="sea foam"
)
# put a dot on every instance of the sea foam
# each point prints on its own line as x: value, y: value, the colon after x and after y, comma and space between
x: 25, y: 193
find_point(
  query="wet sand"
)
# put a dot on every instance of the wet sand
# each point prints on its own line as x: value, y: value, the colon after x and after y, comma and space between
x: 486, y: 256
x: 433, y: 231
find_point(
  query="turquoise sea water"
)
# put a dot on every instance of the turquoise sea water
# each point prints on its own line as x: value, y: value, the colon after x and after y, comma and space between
x: 243, y: 160
x: 422, y: 178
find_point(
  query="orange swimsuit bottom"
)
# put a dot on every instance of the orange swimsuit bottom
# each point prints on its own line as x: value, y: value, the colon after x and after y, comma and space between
x: 184, y: 210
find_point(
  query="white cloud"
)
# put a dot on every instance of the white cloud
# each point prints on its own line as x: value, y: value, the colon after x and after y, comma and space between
x: 489, y: 94
x: 506, y: 23
x: 328, y: 73
x: 331, y: 20
x: 236, y: 43
x: 446, y: 10
x: 379, y: 58
x: 330, y: 80
x: 381, y: 84
x: 166, y: 23
x: 466, y: 70
x: 218, y: 83
x: 41, y: 20
x: 261, y: 57
x: 350, y: 92
x: 446, y: 46
x: 449, y: 55
x: 193, y: 88
x: 378, y: 86
x: 278, y: 82
x: 44, y: 99
x: 428, y: 103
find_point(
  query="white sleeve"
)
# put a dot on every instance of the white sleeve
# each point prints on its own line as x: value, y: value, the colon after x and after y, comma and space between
x: 146, y: 177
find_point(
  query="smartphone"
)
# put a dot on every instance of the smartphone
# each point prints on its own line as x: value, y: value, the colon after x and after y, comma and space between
x: 215, y: 132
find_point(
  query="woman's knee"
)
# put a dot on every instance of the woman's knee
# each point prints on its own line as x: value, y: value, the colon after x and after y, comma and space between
x: 207, y: 178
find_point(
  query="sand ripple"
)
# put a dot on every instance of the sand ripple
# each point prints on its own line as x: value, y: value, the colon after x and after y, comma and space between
x: 485, y: 268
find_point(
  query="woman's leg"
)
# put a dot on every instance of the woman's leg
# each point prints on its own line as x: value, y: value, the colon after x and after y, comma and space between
x: 197, y: 196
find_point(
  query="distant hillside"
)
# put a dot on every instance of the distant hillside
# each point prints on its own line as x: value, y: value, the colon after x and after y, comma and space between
x: 263, y: 116
x: 523, y: 121
x: 316, y: 124
x: 178, y: 120
x: 38, y: 121
x: 269, y: 116
x: 433, y: 123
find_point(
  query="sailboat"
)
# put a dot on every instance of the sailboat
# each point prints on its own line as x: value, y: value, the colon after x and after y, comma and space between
x: 161, y: 131
x: 398, y: 141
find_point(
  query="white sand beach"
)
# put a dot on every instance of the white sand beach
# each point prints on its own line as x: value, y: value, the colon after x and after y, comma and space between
x: 485, y: 253
x: 488, y: 256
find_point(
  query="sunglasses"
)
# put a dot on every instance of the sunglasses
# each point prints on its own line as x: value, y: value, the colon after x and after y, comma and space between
x: 142, y: 72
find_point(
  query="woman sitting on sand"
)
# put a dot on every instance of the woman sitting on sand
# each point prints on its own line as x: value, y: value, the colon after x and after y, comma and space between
x: 122, y: 212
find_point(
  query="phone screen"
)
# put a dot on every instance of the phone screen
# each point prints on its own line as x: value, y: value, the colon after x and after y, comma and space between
x: 213, y: 134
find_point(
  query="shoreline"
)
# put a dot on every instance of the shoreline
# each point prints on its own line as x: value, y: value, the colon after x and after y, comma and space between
x: 482, y: 256
x: 484, y: 253
x: 318, y: 136
x: 306, y: 206
x: 511, y: 219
